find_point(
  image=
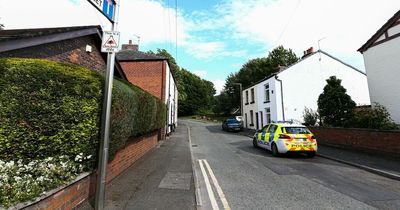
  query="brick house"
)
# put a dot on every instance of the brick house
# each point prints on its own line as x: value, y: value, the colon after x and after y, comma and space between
x: 76, y: 45
x: 151, y: 73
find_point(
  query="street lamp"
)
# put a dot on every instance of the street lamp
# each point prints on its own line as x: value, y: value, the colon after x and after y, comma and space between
x: 241, y: 98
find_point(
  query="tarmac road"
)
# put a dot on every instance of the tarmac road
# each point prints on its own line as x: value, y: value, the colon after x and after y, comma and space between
x: 231, y: 174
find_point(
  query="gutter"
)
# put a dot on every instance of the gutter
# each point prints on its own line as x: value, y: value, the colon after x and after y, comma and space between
x: 283, y: 109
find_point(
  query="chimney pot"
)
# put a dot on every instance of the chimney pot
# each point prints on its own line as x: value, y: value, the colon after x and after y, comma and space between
x: 130, y: 42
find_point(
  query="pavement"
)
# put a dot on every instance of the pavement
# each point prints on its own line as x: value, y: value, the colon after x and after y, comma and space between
x: 161, y: 179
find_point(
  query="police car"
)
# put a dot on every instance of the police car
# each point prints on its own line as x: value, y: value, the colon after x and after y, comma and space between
x: 281, y: 138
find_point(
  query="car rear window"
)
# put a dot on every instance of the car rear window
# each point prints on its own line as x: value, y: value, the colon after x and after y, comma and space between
x: 232, y: 121
x: 296, y: 130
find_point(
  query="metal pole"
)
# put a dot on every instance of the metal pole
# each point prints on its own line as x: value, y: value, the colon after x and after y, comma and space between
x: 241, y: 100
x: 105, y: 124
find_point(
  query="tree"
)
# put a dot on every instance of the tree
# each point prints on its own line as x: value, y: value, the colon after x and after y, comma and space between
x: 310, y: 117
x: 251, y: 72
x: 336, y: 108
x: 195, y: 94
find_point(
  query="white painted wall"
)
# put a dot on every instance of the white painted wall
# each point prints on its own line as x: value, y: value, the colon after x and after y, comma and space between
x: 275, y: 104
x: 250, y: 106
x: 382, y: 63
x: 171, y: 99
x: 304, y: 82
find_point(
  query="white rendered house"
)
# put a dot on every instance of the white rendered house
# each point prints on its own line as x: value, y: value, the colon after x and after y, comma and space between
x: 284, y: 96
x: 382, y: 63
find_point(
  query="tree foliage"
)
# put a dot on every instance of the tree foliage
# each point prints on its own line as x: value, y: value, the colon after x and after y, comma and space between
x: 336, y: 108
x: 251, y: 72
x: 310, y: 117
x: 195, y: 94
x: 375, y: 117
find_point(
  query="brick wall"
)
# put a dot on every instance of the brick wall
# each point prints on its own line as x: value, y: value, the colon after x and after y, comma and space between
x: 146, y: 75
x: 383, y: 142
x: 68, y: 51
x: 71, y: 196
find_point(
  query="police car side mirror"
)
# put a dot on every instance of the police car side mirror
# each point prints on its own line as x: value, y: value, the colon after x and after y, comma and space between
x: 258, y: 131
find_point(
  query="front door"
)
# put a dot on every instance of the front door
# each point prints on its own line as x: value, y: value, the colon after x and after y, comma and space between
x: 257, y: 121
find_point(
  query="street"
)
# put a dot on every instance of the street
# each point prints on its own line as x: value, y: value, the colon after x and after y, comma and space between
x: 231, y: 174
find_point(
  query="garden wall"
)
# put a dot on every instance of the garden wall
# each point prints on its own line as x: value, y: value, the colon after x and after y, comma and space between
x: 70, y: 196
x: 382, y: 142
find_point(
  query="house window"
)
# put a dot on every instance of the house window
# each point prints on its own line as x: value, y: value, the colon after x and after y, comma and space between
x: 247, y: 97
x: 252, y: 95
x: 262, y: 120
x: 268, y: 115
x: 251, y: 118
x: 266, y: 92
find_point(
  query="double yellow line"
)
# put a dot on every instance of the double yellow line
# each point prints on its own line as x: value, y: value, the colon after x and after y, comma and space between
x: 214, y: 204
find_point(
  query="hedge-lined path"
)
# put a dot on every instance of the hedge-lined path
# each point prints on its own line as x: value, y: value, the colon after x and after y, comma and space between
x: 161, y: 179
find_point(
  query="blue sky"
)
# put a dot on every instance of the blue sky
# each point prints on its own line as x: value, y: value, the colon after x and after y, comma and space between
x: 216, y: 37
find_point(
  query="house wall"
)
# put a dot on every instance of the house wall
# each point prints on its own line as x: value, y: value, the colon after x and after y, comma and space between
x: 304, y: 82
x: 274, y: 103
x: 171, y: 100
x: 146, y: 75
x: 250, y: 106
x: 68, y: 51
x: 382, y: 63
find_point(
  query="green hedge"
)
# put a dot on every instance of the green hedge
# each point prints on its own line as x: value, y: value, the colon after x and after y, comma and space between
x: 49, y: 108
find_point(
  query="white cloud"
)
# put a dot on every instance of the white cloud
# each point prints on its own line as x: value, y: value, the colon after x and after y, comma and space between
x: 218, y: 85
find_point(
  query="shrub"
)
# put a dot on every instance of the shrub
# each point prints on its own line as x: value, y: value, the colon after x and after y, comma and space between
x: 334, y: 105
x: 21, y: 181
x: 50, y: 109
x: 47, y: 109
x: 310, y: 117
x: 376, y: 117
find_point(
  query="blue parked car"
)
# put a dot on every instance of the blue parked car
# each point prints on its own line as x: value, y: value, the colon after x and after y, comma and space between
x: 232, y: 124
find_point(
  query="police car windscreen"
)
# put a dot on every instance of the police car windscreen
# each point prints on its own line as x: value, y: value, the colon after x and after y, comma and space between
x: 296, y: 130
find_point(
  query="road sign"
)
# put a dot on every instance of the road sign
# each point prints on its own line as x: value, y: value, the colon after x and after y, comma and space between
x: 110, y: 41
x: 106, y: 7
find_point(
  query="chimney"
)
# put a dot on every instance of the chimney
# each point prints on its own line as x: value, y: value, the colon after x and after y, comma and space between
x: 130, y: 46
x: 307, y: 52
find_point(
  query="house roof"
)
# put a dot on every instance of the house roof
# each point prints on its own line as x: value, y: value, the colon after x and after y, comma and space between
x: 380, y: 32
x: 132, y: 55
x: 22, y: 38
x: 301, y: 60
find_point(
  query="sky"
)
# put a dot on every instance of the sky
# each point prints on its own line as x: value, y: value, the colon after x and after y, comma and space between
x: 214, y: 38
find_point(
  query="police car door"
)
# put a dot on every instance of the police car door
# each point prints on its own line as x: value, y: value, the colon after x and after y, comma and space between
x: 269, y: 137
x: 261, y: 136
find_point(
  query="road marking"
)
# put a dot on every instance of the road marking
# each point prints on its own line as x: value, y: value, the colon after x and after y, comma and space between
x: 208, y: 186
x: 219, y: 189
x: 195, y: 175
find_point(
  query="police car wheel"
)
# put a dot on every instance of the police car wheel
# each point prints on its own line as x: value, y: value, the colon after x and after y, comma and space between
x: 274, y: 150
x: 255, y: 143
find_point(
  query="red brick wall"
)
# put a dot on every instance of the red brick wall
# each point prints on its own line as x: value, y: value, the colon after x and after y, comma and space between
x: 361, y: 139
x: 147, y: 75
x: 68, y: 51
x: 74, y: 194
